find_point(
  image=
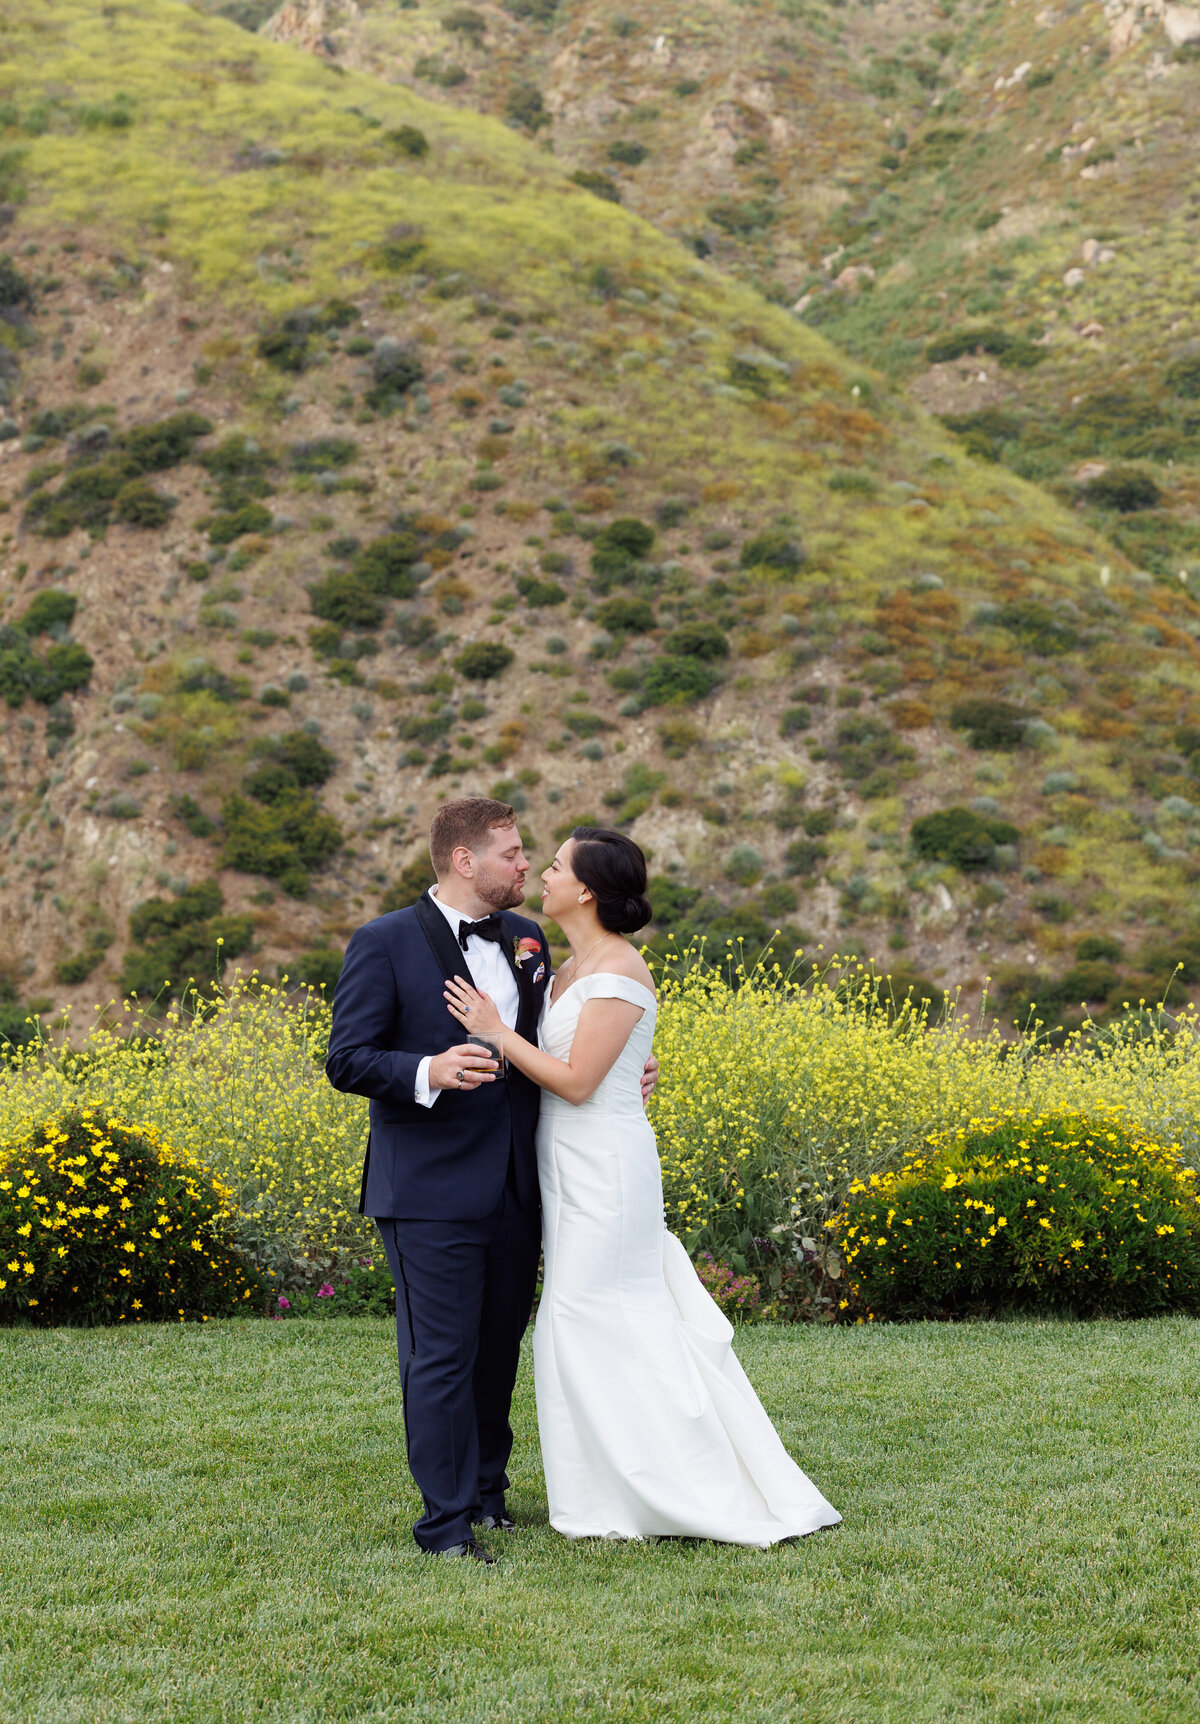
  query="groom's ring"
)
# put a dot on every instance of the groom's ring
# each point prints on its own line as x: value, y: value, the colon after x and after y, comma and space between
x: 460, y: 1076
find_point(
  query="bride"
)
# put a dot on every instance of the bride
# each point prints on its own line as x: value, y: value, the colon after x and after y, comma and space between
x: 649, y: 1426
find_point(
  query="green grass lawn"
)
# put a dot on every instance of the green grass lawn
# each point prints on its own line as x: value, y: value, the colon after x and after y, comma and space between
x: 214, y: 1524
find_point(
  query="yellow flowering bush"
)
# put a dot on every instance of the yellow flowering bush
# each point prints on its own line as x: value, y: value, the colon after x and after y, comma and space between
x: 101, y: 1222
x: 1027, y: 1212
x: 236, y: 1080
x: 778, y: 1093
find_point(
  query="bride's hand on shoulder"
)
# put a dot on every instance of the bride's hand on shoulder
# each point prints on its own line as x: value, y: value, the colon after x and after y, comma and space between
x: 474, y: 1010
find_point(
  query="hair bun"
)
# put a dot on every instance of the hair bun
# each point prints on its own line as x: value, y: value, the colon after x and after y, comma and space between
x: 613, y: 868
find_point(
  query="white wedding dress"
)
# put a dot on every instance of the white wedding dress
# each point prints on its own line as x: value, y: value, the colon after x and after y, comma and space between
x: 649, y: 1426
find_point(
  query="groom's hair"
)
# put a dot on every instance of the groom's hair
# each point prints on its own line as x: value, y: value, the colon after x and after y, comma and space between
x: 467, y: 821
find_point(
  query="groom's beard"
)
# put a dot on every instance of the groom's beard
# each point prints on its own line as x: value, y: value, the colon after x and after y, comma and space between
x: 496, y: 893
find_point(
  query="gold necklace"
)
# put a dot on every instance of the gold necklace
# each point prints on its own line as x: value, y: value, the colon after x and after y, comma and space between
x: 587, y: 954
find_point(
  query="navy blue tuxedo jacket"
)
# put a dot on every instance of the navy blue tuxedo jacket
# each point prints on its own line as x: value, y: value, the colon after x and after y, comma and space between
x: 449, y: 1161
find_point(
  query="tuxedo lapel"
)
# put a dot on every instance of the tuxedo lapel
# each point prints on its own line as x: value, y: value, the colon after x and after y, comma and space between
x: 525, y: 1011
x: 451, y: 959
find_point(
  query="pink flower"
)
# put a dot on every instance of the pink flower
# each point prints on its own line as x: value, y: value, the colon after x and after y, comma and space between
x: 284, y: 1304
x: 325, y: 1290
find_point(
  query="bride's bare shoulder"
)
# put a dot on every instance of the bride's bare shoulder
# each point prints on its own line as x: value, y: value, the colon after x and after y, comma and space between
x: 626, y: 960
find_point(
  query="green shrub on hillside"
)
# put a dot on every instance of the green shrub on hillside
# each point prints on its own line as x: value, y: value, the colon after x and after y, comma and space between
x: 600, y: 185
x: 539, y: 594
x: 990, y: 724
x: 1124, y: 489
x: 1037, y: 627
x: 707, y: 641
x: 960, y: 836
x: 181, y: 938
x: 283, y: 840
x: 408, y: 141
x: 16, y: 289
x: 138, y: 504
x: 343, y: 599
x: 317, y: 454
x: 44, y: 677
x: 775, y: 549
x: 483, y: 660
x: 672, y: 681
x: 1183, y: 377
x: 224, y: 528
x: 49, y: 609
x: 386, y: 564
x: 1027, y: 1212
x: 625, y: 616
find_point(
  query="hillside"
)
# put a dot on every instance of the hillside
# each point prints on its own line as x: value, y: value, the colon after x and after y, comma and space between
x: 355, y: 456
x: 994, y: 204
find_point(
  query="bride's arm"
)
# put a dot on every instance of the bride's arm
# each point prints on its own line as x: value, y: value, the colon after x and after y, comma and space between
x: 603, y: 1029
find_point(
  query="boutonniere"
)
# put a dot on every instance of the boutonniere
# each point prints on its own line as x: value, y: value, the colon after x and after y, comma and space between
x: 524, y: 949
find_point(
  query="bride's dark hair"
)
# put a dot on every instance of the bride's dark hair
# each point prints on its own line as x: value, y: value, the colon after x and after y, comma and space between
x: 613, y: 869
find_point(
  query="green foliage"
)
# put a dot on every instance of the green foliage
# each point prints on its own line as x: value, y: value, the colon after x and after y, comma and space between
x: 283, y: 840
x: 600, y: 185
x: 342, y: 598
x: 483, y: 660
x: 635, y: 538
x: 795, y: 718
x: 408, y: 141
x: 628, y: 151
x: 181, y: 938
x: 46, y: 677
x: 1014, y: 351
x: 707, y: 641
x: 386, y: 564
x: 625, y: 616
x: 197, y: 822
x: 83, y: 499
x: 1103, y: 947
x: 539, y: 594
x: 1183, y: 377
x: 1037, y: 628
x: 250, y: 517
x: 138, y: 504
x: 49, y: 609
x: 1124, y: 489
x: 1035, y: 1213
x: 990, y: 724
x: 154, y: 448
x: 115, y: 1227
x: 674, y: 681
x: 318, y: 454
x: 16, y: 289
x: 409, y: 884
x: 960, y: 836
x: 804, y: 856
x: 775, y: 549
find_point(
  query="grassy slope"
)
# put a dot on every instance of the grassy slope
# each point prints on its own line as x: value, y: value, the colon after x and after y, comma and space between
x: 170, y: 240
x: 1019, y: 1540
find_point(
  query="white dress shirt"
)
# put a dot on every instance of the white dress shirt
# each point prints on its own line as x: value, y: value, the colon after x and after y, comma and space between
x: 492, y: 975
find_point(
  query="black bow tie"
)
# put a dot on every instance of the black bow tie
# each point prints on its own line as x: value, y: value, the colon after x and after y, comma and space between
x: 490, y: 928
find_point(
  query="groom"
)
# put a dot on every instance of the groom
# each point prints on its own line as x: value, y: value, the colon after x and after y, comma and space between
x: 451, y: 1170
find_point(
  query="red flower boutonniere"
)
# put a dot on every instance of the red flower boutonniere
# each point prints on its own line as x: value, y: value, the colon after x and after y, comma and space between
x: 524, y: 949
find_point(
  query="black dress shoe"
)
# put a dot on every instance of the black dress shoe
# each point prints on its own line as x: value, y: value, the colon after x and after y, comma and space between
x: 469, y: 1548
x: 496, y: 1522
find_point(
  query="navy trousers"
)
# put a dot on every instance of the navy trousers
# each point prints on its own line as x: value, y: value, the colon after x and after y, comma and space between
x: 464, y: 1292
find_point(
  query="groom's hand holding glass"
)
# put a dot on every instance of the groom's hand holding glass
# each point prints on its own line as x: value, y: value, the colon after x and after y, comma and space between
x: 462, y: 1067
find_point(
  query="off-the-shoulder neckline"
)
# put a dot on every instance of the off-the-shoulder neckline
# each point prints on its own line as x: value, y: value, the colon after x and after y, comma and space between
x: 591, y: 977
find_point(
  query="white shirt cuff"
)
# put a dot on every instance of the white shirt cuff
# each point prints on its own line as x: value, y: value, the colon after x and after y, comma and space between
x: 422, y: 1094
